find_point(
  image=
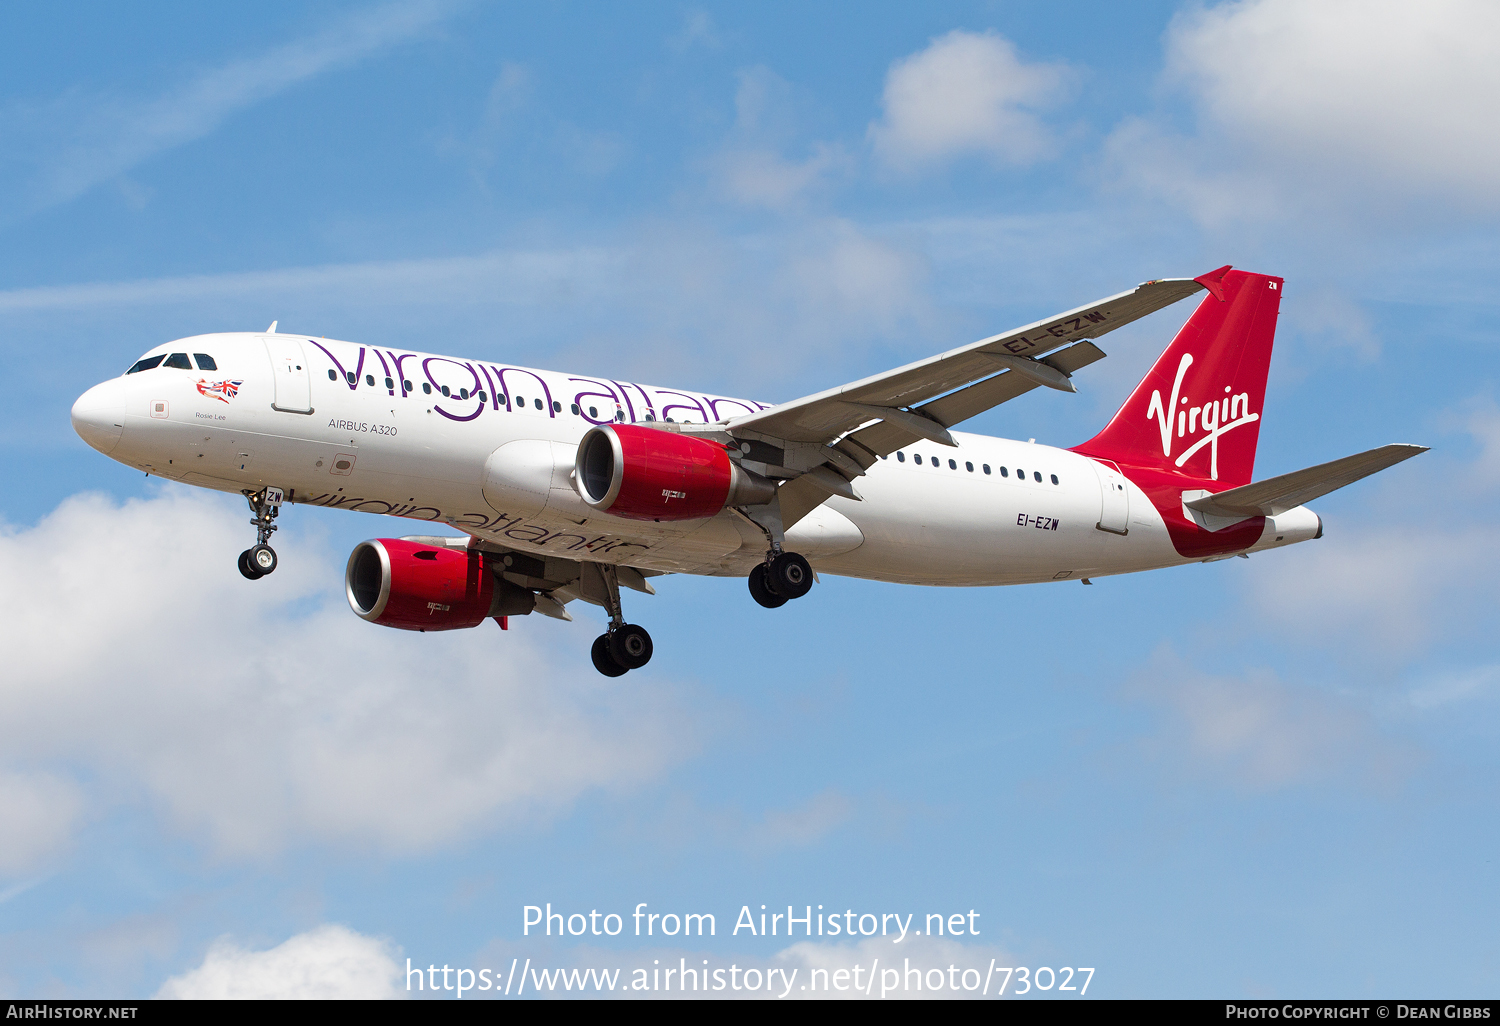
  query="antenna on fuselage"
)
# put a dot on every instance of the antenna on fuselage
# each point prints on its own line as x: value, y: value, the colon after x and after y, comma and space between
x: 272, y: 329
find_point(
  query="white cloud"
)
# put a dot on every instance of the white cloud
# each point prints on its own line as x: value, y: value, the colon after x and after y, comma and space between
x: 331, y: 962
x: 1327, y: 317
x: 751, y: 167
x: 697, y: 31
x: 1480, y: 419
x: 256, y: 715
x: 503, y: 277
x: 1453, y: 688
x: 1395, y: 588
x: 765, y: 178
x: 668, y: 303
x: 967, y: 93
x: 1261, y: 733
x: 1301, y: 106
x: 804, y: 824
x: 78, y: 141
x: 38, y: 812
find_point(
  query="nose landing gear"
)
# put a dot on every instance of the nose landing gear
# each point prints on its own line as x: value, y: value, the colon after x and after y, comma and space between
x: 260, y: 558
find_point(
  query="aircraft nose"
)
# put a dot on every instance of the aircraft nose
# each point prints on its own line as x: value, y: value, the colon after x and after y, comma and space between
x: 99, y: 416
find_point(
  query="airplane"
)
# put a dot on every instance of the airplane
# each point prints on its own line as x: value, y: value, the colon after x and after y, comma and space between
x: 568, y: 487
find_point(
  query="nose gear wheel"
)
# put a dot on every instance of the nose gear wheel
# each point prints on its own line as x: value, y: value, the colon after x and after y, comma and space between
x: 246, y: 568
x: 260, y: 558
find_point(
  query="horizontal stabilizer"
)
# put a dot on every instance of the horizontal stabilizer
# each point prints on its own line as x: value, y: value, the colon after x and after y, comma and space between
x: 1276, y: 495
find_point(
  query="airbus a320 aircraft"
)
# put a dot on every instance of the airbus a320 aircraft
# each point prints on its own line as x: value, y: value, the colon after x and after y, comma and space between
x: 569, y: 487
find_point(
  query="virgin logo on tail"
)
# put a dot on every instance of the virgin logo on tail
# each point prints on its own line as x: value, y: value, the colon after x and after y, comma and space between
x: 1216, y: 418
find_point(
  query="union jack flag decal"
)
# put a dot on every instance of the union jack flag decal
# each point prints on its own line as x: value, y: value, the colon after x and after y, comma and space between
x: 220, y: 390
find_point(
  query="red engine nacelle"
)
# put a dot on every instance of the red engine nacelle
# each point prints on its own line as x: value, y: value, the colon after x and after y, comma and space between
x: 645, y: 473
x: 418, y: 587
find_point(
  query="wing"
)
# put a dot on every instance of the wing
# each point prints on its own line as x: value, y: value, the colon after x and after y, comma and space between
x: 827, y: 415
x: 826, y: 440
x: 552, y: 581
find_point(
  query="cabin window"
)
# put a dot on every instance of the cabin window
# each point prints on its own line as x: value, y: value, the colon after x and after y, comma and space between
x: 537, y: 403
x: 916, y: 458
x: 575, y: 409
x: 521, y: 401
x: 556, y: 406
x: 650, y: 417
x: 370, y: 380
x: 205, y: 362
x: 1037, y: 474
x: 463, y: 393
x: 390, y: 383
x: 1020, y: 474
x: 1054, y: 479
x: 332, y: 376
x: 483, y: 397
x: 987, y: 468
x: 446, y: 394
x: 426, y: 388
x: 178, y: 360
x: 594, y: 412
x: 900, y: 457
x: 405, y: 385
x: 1004, y: 472
x: 970, y: 466
x: 351, y: 378
x: 149, y: 363
x: 952, y: 465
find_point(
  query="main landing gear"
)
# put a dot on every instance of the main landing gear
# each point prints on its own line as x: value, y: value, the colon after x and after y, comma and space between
x: 782, y: 577
x: 625, y: 646
x: 260, y: 558
x: 622, y: 648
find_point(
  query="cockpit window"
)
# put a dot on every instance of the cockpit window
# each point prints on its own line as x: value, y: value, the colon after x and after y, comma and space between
x: 149, y: 363
x: 205, y: 362
x: 178, y: 360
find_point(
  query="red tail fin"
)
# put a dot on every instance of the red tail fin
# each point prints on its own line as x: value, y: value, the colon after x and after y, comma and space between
x: 1197, y: 414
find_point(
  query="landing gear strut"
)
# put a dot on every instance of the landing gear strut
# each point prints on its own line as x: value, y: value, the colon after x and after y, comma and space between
x: 625, y: 646
x: 260, y: 558
x: 784, y: 575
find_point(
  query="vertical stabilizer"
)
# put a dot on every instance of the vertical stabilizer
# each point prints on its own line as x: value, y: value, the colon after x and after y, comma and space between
x: 1197, y: 413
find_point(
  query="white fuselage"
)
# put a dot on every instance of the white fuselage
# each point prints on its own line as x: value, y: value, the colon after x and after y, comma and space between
x: 493, y: 458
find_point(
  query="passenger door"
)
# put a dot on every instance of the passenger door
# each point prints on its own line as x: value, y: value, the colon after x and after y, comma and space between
x: 1114, y: 499
x: 289, y: 370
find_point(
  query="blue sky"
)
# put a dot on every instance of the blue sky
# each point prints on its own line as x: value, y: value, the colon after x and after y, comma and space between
x: 1263, y: 778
